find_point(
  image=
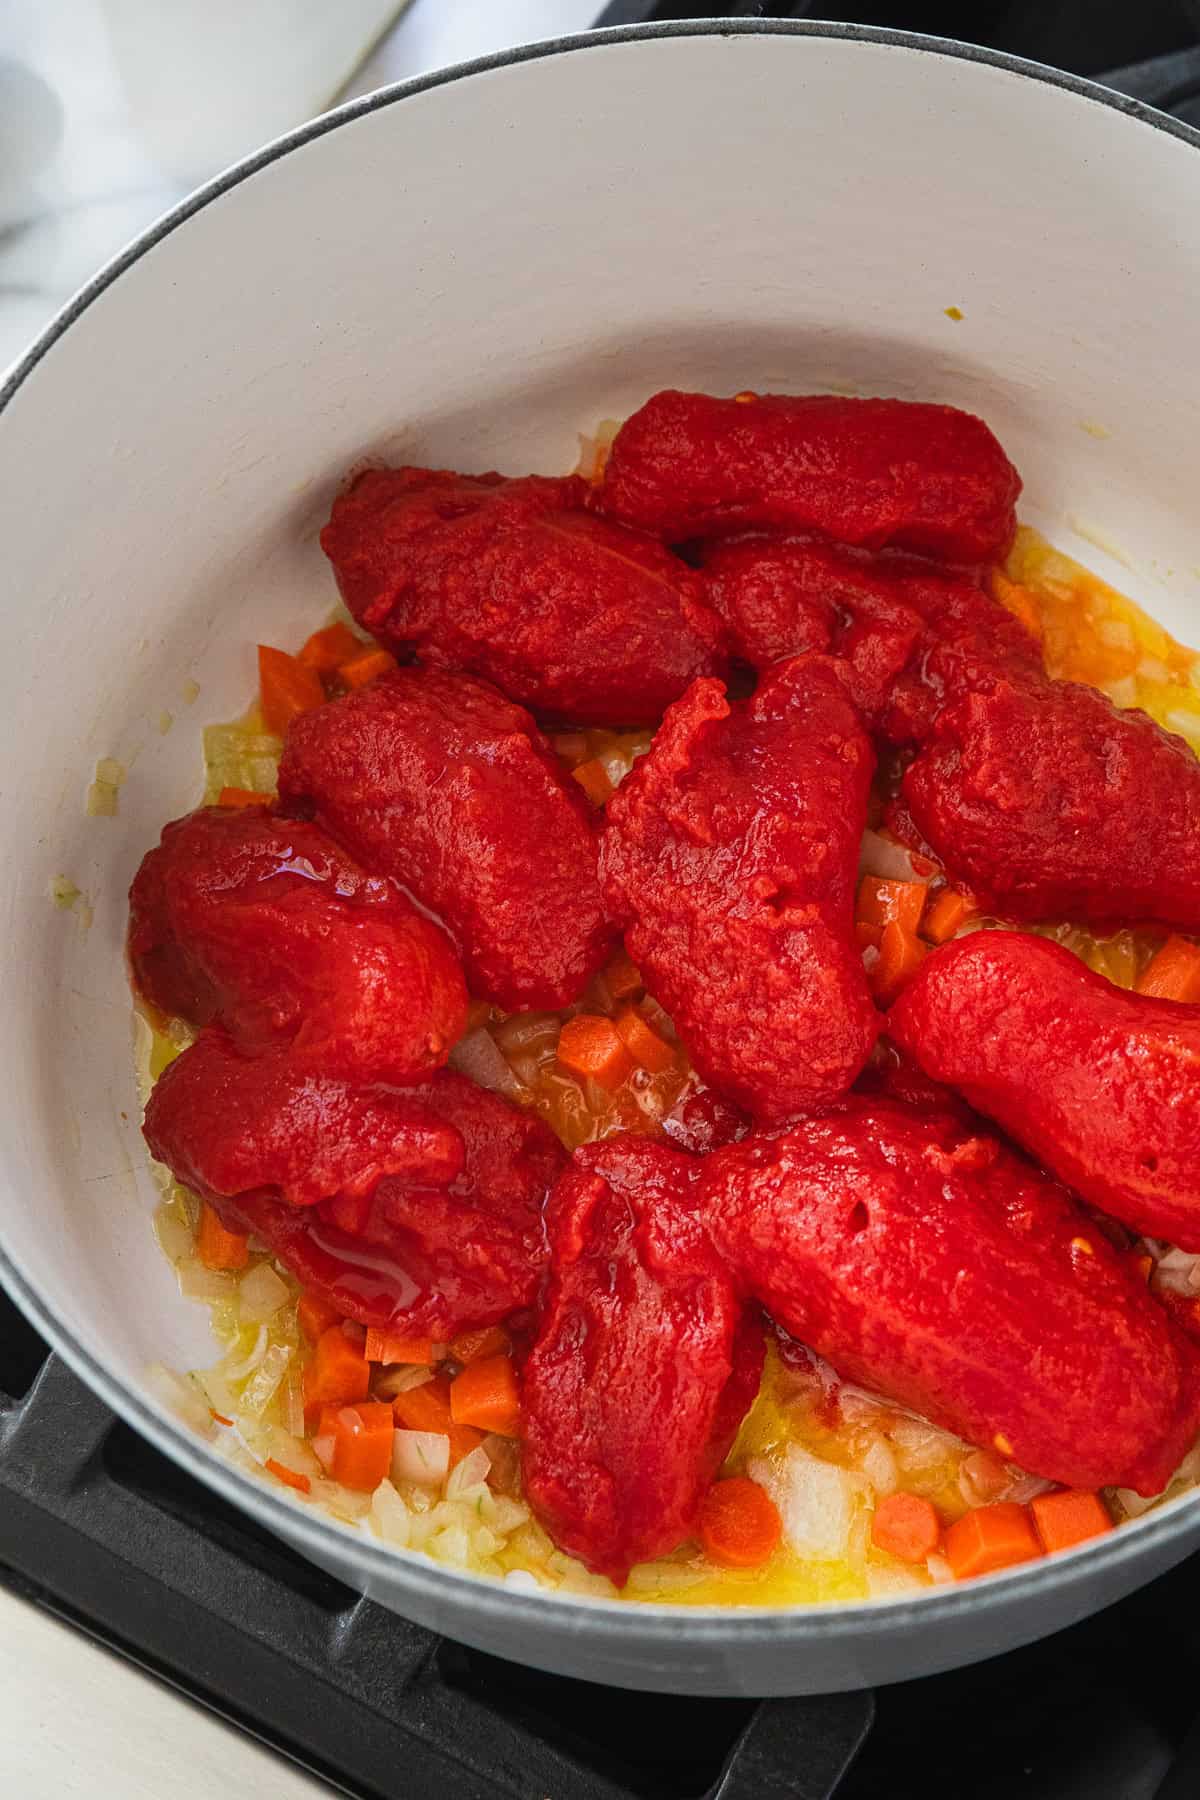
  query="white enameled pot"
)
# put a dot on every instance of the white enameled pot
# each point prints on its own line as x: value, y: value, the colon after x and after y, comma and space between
x: 471, y: 270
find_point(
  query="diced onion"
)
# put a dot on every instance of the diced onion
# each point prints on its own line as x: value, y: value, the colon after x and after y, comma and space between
x: 238, y: 1371
x: 886, y: 859
x: 1178, y: 1270
x: 522, y: 1581
x: 452, y: 1546
x: 921, y: 1446
x: 420, y: 1456
x: 401, y: 1379
x: 879, y: 1467
x: 260, y: 1390
x: 391, y: 1515
x: 657, y: 1578
x: 469, y: 1473
x: 179, y: 1396
x: 261, y: 1293
x: 1027, y: 1488
x: 175, y: 1235
x: 939, y: 1569
x: 501, y: 1513
x: 817, y: 1501
x: 198, y: 1283
x: 479, y: 1057
x: 293, y: 1406
x: 883, y: 1582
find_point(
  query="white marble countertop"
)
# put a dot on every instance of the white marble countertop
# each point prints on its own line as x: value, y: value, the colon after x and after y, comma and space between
x: 103, y: 167
x: 80, y: 175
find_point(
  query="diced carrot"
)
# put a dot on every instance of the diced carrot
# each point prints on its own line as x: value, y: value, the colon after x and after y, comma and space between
x: 947, y: 913
x: 622, y: 976
x: 338, y: 1375
x: 316, y: 1315
x: 486, y: 1395
x: 1173, y: 973
x: 739, y: 1524
x: 867, y: 934
x: 219, y: 1417
x: 362, y: 1445
x: 885, y: 902
x: 643, y: 1043
x: 590, y: 1044
x: 470, y: 1346
x: 382, y: 1347
x: 592, y: 777
x: 365, y: 667
x: 286, y: 688
x: 427, y: 1408
x: 328, y: 649
x: 1144, y: 1266
x: 989, y: 1538
x: 901, y: 954
x: 1070, y: 1516
x: 906, y: 1526
x: 290, y: 1477
x: 217, y: 1247
x: 242, y: 797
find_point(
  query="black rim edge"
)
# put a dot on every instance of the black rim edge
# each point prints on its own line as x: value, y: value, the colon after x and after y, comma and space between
x: 608, y: 1619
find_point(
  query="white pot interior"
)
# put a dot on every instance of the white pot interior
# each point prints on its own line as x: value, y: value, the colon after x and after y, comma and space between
x: 473, y: 275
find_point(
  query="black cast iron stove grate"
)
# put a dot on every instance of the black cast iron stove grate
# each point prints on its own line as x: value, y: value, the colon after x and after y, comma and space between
x: 97, y: 1527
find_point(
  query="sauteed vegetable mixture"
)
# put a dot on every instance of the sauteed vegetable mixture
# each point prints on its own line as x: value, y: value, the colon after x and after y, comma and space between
x: 675, y: 1059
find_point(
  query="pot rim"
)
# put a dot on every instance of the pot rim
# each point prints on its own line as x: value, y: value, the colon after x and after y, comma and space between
x: 612, y: 1621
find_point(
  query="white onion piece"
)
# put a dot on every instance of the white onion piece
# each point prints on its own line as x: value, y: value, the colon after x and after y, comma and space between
x: 939, y: 1569
x: 391, y: 1515
x: 1179, y: 1270
x: 817, y: 1501
x: 879, y: 1467
x: 174, y: 1234
x: 179, y: 1396
x: 501, y: 1513
x: 522, y: 1581
x: 469, y: 1473
x: 886, y: 859
x: 261, y: 1293
x: 420, y: 1456
x: 1027, y: 1488
x: 451, y: 1546
x: 293, y: 1407
x: 921, y: 1446
x: 401, y: 1379
x: 655, y: 1578
x: 198, y: 1283
x: 239, y: 1371
x: 262, y: 1386
x: 478, y: 1056
x: 883, y: 1583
